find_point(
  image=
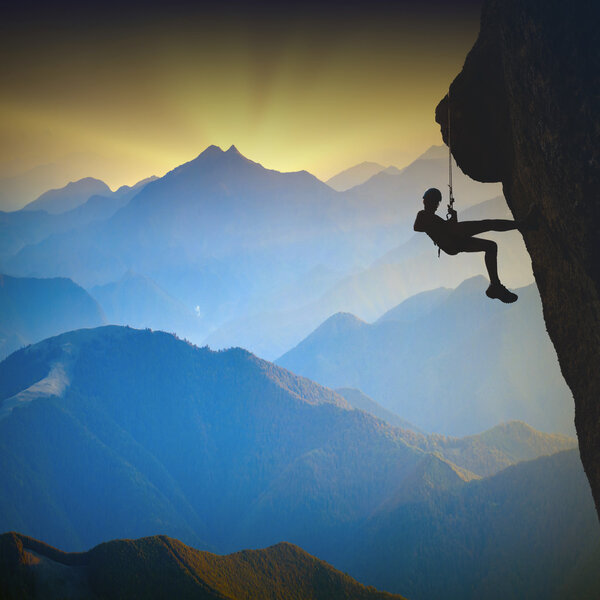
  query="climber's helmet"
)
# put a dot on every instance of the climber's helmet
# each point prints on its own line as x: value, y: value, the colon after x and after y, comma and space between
x: 432, y: 198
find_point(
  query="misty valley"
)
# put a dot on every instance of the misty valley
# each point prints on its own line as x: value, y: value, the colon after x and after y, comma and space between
x: 230, y: 380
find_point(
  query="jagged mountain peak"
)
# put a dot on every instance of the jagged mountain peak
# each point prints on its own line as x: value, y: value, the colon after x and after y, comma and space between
x: 213, y: 161
x: 213, y: 151
x: 219, y: 183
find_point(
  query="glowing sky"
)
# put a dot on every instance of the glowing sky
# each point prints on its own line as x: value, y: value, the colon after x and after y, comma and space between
x: 141, y: 89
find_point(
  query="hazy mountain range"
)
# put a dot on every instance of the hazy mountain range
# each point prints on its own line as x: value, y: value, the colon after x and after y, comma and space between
x: 227, y: 236
x: 354, y: 176
x: 160, y: 567
x: 18, y: 189
x: 387, y: 189
x: 402, y: 272
x: 69, y: 197
x: 114, y: 432
x: 34, y: 309
x: 467, y: 543
x: 414, y: 266
x: 482, y: 454
x: 21, y: 182
x: 448, y: 361
x: 31, y: 225
x: 136, y: 300
x: 248, y: 431
x: 361, y: 401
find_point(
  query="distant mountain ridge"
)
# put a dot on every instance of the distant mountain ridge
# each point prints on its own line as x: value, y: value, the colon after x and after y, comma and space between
x: 414, y: 267
x: 493, y: 450
x: 161, y: 567
x: 483, y: 454
x: 21, y: 188
x: 71, y: 196
x: 406, y: 270
x: 354, y: 176
x: 224, y: 234
x: 26, y: 227
x: 475, y: 548
x: 361, y: 401
x: 499, y: 361
x: 137, y: 301
x: 401, y: 190
x: 33, y: 309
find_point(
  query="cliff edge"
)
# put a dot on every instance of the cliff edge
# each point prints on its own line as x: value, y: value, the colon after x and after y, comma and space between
x: 525, y: 110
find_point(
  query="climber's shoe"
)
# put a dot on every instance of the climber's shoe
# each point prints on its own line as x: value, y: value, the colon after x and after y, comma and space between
x: 497, y: 290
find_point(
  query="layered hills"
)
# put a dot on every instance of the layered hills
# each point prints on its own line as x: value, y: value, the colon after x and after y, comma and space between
x: 228, y: 236
x: 160, y: 567
x: 136, y: 300
x: 34, y: 224
x: 33, y: 309
x: 483, y: 454
x: 404, y: 271
x: 114, y: 432
x: 450, y: 362
x: 213, y: 207
x: 493, y: 450
x: 162, y: 436
x: 465, y: 543
x: 414, y: 266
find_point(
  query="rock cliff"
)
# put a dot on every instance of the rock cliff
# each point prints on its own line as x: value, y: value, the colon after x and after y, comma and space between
x: 525, y: 110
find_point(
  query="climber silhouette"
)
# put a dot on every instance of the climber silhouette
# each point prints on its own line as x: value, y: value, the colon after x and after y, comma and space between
x: 453, y: 237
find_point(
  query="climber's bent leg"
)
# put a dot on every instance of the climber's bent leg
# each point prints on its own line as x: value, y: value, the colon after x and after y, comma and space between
x: 496, y: 289
x: 490, y: 248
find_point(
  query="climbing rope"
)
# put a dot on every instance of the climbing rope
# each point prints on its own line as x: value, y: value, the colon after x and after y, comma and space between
x: 451, y: 194
x: 451, y: 198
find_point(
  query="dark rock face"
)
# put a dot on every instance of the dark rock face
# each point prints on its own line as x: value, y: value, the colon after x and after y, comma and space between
x: 525, y: 110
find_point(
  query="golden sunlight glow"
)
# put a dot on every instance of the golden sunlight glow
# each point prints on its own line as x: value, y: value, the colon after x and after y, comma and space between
x: 306, y: 97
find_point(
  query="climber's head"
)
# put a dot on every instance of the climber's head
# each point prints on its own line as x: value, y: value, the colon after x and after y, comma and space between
x: 431, y: 199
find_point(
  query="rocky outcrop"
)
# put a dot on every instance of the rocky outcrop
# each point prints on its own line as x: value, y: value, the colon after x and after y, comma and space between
x: 525, y: 110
